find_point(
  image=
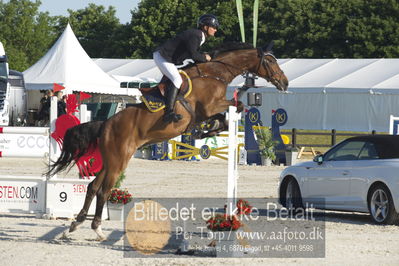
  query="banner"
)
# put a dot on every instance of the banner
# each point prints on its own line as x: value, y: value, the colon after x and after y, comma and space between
x: 255, y: 28
x: 240, y: 19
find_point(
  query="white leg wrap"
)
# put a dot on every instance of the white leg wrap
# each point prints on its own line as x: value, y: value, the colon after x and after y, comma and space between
x: 100, y: 234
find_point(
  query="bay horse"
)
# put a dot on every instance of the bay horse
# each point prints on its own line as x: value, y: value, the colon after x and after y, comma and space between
x: 121, y: 135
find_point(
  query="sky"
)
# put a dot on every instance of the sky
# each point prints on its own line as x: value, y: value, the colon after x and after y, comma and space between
x: 59, y: 7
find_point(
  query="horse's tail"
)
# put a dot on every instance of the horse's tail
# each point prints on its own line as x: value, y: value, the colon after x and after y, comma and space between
x: 77, y: 142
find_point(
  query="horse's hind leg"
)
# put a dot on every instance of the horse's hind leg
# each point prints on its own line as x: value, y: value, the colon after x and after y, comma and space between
x: 102, y: 197
x: 92, y: 189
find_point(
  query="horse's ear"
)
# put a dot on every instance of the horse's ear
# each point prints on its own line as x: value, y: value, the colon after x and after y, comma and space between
x: 269, y: 47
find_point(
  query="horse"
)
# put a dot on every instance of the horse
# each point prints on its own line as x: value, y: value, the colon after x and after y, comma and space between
x: 122, y: 134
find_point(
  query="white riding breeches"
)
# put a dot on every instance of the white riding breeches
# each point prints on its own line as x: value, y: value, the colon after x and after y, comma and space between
x: 168, y: 69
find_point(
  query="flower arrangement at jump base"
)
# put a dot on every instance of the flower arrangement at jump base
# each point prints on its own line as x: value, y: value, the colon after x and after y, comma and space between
x: 117, y: 200
x: 243, y: 207
x: 223, y: 222
x: 119, y: 196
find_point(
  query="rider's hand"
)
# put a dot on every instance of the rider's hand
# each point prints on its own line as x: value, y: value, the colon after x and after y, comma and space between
x: 208, y: 57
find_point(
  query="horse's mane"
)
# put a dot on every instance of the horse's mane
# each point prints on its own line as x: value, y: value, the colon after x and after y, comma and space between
x: 230, y: 46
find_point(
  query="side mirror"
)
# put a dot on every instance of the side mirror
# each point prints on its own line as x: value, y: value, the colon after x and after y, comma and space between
x: 318, y: 159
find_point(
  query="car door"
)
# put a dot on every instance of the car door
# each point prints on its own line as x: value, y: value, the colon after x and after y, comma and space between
x: 329, y: 181
x: 362, y: 170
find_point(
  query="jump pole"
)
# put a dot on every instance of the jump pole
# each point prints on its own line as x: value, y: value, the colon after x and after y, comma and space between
x: 232, y: 171
x: 25, y: 130
x: 54, y: 149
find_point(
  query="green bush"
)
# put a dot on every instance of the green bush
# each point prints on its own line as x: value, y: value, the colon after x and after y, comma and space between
x: 265, y: 142
x: 121, y: 177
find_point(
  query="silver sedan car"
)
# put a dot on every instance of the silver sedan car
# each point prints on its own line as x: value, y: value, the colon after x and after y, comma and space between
x: 360, y: 174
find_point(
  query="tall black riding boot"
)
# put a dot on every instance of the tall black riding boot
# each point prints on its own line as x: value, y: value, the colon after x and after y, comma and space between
x: 170, y: 115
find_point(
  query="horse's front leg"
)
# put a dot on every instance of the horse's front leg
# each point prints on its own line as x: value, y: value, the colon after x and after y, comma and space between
x: 211, y: 127
x: 223, y: 106
x: 212, y: 133
x: 240, y: 107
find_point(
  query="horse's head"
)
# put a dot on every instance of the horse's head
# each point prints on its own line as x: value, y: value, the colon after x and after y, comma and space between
x: 269, y: 69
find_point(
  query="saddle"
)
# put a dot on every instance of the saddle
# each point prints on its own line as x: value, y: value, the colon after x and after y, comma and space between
x: 154, y: 97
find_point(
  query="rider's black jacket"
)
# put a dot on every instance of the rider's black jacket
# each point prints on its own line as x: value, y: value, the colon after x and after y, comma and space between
x: 183, y: 46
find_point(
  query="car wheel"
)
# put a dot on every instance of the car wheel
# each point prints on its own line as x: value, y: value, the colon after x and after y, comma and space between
x: 381, y: 206
x: 293, y: 198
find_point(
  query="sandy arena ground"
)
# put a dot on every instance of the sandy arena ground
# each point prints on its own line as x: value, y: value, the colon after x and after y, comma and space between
x: 351, y: 238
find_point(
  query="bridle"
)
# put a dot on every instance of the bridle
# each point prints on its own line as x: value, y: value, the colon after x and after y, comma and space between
x: 274, y: 76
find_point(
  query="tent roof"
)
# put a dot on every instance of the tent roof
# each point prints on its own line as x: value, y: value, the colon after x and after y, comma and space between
x: 338, y: 74
x: 130, y: 69
x: 333, y: 74
x: 68, y: 64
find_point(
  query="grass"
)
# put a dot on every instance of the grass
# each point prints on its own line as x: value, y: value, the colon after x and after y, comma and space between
x: 319, y: 139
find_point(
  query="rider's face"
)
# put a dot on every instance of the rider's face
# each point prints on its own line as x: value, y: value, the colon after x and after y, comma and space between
x: 210, y: 31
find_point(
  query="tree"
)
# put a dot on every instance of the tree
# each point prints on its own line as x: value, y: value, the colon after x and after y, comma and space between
x: 373, y: 29
x: 154, y: 22
x: 25, y: 32
x: 99, y: 31
x: 300, y: 28
x: 331, y: 28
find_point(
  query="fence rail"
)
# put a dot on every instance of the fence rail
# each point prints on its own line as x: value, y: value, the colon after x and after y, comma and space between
x: 294, y: 135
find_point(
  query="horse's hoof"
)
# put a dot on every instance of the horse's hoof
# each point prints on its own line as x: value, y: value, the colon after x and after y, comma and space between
x: 100, y: 234
x: 100, y: 238
x: 214, y: 125
x: 65, y: 236
x: 74, y: 226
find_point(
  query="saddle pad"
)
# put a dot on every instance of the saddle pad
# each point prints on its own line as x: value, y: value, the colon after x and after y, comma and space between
x: 154, y: 99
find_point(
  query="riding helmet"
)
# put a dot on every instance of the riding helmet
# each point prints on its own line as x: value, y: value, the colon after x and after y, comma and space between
x: 208, y: 20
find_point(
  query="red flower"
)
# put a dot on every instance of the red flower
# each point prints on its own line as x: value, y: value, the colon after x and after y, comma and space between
x: 243, y: 207
x: 119, y: 196
x: 223, y: 222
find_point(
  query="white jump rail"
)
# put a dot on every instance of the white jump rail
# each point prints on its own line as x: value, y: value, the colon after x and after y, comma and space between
x: 18, y: 154
x: 25, y: 130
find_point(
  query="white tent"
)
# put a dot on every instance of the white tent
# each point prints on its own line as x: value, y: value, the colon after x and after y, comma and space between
x: 67, y: 63
x: 342, y: 94
x: 130, y: 69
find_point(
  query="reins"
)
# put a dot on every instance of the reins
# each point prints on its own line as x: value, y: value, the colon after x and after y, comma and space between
x: 200, y: 75
x: 228, y: 66
x: 274, y: 76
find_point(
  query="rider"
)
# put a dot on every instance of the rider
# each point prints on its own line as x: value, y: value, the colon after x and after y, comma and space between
x: 174, y: 51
